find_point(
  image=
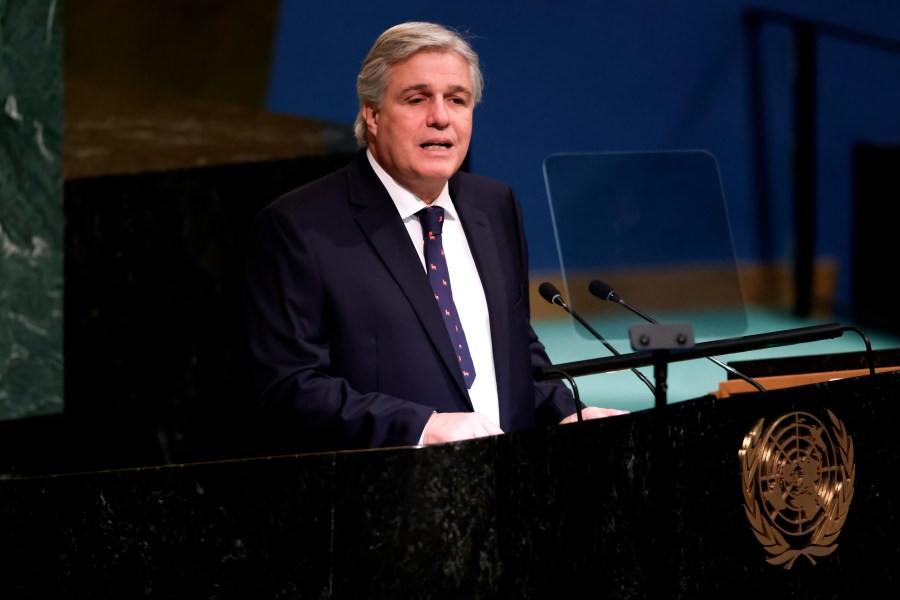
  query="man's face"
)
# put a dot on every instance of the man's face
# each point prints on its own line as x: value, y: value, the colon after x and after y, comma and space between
x: 420, y: 134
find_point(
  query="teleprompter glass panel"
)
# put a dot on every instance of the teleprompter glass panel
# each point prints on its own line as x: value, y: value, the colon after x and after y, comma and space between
x: 653, y: 227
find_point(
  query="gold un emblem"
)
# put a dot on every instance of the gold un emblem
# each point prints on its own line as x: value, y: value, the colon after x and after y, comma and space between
x: 797, y: 478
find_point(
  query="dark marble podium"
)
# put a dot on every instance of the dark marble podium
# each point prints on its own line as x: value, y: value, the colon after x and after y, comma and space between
x: 159, y: 193
x: 646, y: 505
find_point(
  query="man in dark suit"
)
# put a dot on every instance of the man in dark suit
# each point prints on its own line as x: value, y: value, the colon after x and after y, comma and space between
x: 349, y: 346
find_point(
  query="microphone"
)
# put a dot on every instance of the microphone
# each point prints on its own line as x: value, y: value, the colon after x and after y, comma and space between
x: 551, y: 294
x: 605, y: 292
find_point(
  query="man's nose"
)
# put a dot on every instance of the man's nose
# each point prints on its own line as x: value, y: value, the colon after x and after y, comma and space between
x: 438, y: 115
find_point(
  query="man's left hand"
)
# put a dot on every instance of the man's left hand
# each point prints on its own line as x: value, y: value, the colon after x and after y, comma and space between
x: 593, y: 412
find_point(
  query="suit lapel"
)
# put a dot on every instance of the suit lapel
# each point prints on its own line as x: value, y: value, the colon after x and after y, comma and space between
x: 382, y: 225
x: 481, y: 238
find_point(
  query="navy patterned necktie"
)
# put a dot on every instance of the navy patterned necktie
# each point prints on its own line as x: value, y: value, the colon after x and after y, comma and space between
x: 432, y: 219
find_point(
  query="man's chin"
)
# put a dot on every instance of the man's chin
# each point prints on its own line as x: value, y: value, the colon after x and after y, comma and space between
x: 440, y: 168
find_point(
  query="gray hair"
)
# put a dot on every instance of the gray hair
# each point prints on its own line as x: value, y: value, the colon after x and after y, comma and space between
x: 398, y: 44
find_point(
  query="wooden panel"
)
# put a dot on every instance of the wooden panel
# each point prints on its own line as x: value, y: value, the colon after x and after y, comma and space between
x: 739, y: 386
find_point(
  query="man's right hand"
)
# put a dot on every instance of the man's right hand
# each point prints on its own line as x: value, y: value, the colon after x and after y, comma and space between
x: 453, y: 427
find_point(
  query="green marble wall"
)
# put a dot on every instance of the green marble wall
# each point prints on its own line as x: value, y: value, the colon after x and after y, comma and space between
x: 31, y: 208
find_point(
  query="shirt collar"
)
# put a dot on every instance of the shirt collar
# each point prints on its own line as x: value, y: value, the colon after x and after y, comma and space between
x: 407, y: 203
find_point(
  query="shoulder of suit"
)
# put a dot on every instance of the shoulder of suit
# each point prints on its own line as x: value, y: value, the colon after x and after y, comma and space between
x: 323, y: 189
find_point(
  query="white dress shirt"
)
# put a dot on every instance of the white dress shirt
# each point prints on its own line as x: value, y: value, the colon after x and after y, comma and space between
x: 468, y: 294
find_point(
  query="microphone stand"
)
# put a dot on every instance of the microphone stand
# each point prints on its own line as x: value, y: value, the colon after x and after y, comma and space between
x: 605, y: 292
x: 552, y: 295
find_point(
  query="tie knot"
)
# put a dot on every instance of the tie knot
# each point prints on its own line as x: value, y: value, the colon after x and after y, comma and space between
x: 432, y: 219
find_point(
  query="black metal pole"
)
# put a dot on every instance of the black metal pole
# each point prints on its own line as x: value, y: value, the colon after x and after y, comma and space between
x: 804, y: 166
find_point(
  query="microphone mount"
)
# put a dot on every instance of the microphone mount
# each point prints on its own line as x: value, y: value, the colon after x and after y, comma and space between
x: 605, y: 292
x: 660, y: 340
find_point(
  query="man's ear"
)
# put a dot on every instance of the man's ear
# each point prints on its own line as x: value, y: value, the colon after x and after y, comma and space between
x: 370, y: 114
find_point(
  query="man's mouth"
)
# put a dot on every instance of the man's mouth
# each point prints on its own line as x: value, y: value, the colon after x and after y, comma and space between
x: 436, y: 145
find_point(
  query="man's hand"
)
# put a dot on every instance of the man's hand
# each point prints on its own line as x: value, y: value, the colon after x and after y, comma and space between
x: 453, y: 427
x: 593, y: 412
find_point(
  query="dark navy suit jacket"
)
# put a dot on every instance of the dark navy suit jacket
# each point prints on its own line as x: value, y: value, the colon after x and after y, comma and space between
x: 347, y: 345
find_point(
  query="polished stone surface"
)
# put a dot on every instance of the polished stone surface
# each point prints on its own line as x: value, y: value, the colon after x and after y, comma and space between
x: 112, y: 131
x: 31, y: 197
x: 159, y: 194
x: 155, y: 369
x: 647, y: 505
x: 109, y: 119
x: 155, y: 346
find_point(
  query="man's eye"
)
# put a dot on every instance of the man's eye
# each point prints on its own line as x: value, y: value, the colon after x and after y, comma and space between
x: 459, y: 101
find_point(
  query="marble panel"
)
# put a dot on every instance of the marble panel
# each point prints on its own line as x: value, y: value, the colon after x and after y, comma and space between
x: 31, y: 214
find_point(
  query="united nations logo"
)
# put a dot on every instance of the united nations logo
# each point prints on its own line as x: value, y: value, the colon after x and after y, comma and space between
x: 797, y: 478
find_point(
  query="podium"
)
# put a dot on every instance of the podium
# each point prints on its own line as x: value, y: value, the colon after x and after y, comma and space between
x: 653, y: 504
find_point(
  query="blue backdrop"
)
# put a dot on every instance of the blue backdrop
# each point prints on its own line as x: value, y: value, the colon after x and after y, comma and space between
x: 601, y: 76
